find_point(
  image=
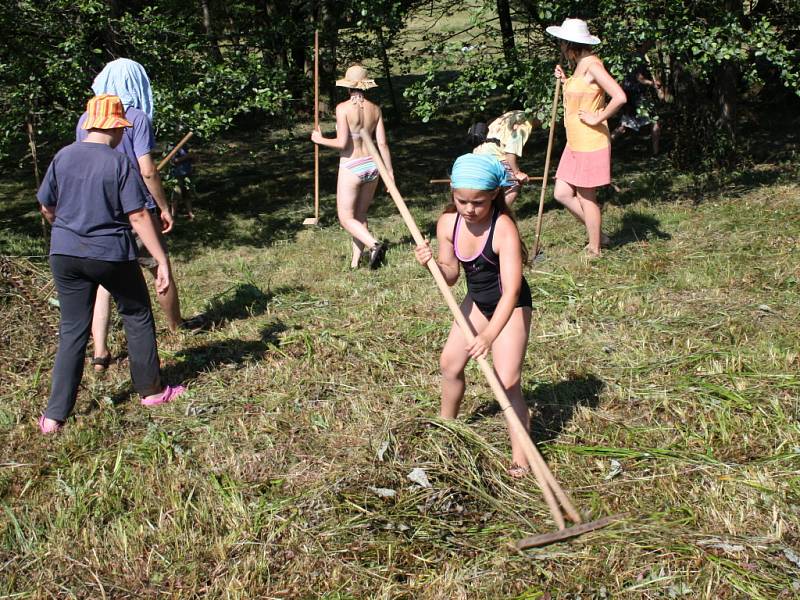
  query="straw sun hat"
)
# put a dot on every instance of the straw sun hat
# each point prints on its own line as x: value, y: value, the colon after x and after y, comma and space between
x: 356, y: 78
x: 574, y: 30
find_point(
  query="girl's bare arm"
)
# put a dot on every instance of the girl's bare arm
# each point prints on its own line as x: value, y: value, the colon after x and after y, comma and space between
x: 342, y: 132
x: 447, y: 261
x: 610, y: 87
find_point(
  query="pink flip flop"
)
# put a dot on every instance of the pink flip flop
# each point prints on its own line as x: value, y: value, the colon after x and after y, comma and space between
x: 48, y: 429
x: 170, y: 393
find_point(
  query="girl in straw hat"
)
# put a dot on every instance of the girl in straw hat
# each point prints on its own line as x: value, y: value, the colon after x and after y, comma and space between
x: 477, y: 231
x: 358, y: 174
x: 585, y: 164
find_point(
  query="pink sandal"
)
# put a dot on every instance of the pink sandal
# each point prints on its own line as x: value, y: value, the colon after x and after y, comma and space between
x: 48, y: 429
x: 170, y: 393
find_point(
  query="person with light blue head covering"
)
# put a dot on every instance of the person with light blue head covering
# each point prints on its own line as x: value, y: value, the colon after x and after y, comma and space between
x: 128, y: 79
x: 478, y: 172
x: 477, y: 231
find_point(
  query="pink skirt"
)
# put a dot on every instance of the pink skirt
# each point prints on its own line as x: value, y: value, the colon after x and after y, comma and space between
x: 585, y: 169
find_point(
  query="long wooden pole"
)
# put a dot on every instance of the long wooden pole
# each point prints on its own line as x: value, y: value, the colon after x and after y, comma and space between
x: 316, y: 123
x: 174, y: 151
x: 448, y: 181
x: 544, y: 478
x: 35, y: 160
x: 315, y: 219
x: 546, y: 169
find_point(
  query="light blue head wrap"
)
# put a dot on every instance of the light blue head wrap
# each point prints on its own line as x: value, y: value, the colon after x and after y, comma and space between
x: 128, y: 80
x: 477, y: 172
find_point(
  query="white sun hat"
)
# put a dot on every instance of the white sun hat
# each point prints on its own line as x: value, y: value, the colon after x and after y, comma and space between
x: 574, y: 30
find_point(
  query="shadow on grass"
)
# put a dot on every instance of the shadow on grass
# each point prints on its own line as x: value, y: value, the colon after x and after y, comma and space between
x: 224, y: 354
x: 230, y: 353
x: 638, y: 227
x: 241, y: 301
x: 552, y: 404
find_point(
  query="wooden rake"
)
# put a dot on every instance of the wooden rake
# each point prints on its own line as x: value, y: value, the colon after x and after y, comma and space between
x: 448, y: 181
x: 557, y: 500
x: 315, y: 219
x: 535, y: 252
x: 174, y: 151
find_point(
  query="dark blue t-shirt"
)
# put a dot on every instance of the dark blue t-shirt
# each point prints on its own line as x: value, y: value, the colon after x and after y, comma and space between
x: 137, y: 141
x: 92, y: 189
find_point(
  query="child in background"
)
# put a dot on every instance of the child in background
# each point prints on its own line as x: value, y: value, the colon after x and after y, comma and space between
x: 505, y: 138
x: 478, y: 232
x: 94, y: 199
x: 182, y: 169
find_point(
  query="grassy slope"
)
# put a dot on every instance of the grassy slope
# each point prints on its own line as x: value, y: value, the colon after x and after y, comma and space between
x: 676, y: 356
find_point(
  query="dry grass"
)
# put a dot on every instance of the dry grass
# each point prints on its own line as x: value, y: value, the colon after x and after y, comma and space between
x: 664, y: 379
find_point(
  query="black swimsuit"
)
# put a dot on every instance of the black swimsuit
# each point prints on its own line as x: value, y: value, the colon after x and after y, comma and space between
x: 483, y: 274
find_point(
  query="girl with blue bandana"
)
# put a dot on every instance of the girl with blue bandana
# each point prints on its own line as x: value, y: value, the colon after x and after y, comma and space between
x: 478, y: 232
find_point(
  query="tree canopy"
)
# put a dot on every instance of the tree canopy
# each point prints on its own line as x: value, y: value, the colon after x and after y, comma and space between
x: 210, y: 61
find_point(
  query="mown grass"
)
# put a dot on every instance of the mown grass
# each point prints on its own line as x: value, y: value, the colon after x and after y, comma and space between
x: 664, y: 380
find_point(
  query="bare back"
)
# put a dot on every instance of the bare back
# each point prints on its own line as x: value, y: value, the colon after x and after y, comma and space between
x: 361, y: 117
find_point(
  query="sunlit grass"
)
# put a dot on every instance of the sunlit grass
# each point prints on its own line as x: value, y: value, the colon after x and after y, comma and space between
x: 664, y: 380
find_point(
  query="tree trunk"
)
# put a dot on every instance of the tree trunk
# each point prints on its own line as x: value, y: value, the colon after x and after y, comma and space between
x: 208, y: 23
x: 726, y: 96
x: 507, y: 32
x: 387, y: 74
x: 726, y: 77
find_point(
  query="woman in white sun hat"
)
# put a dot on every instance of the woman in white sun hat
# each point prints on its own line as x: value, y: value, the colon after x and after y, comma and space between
x: 356, y: 118
x: 585, y: 164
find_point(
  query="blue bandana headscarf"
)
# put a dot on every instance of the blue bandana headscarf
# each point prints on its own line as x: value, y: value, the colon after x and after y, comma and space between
x: 477, y: 172
x: 128, y: 80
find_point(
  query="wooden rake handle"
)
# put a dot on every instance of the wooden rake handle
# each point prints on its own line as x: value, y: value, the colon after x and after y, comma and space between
x: 174, y: 151
x: 544, y: 478
x: 316, y: 123
x: 448, y: 181
x: 546, y: 168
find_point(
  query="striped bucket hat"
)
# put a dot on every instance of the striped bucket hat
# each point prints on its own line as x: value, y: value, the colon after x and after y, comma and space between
x: 105, y: 112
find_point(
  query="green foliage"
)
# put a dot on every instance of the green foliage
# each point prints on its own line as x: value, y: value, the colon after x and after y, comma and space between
x: 704, y: 53
x: 46, y: 71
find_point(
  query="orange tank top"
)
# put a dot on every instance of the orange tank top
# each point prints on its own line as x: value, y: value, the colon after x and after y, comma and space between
x: 592, y: 98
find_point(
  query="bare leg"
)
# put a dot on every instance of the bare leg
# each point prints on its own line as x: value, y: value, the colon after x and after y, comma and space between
x: 454, y: 358
x: 348, y: 190
x: 655, y: 137
x: 173, y: 203
x: 592, y: 218
x: 186, y: 196
x: 566, y: 194
x: 511, y: 195
x: 366, y: 193
x: 508, y: 354
x: 169, y: 302
x: 100, y: 320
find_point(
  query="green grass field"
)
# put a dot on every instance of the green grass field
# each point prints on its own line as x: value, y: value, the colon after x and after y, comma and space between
x: 663, y: 380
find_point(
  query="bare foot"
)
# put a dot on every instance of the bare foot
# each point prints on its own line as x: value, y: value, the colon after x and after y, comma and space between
x: 591, y: 253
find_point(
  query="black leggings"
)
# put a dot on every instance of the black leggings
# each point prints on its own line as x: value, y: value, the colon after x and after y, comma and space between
x: 76, y: 281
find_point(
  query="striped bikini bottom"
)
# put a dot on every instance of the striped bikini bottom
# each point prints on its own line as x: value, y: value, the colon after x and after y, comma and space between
x: 364, y: 168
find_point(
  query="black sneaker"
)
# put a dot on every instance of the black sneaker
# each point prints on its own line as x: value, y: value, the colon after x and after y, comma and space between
x: 377, y: 254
